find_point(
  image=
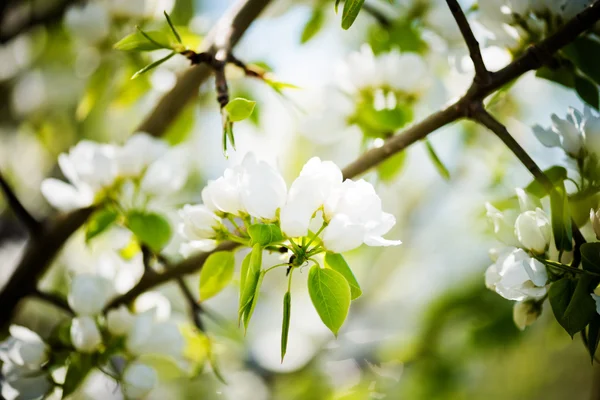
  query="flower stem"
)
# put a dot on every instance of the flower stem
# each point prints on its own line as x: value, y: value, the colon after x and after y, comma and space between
x: 316, y: 235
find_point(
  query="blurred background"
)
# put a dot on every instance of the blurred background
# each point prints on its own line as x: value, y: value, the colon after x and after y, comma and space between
x: 425, y: 327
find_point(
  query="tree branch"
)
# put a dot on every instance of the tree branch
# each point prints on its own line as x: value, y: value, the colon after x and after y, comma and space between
x: 223, y: 36
x: 481, y: 72
x: 33, y: 226
x: 54, y: 299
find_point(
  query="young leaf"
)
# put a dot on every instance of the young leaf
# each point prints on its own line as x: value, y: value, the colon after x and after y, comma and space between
x: 137, y: 41
x: 350, y: 12
x: 243, y: 276
x: 100, y: 221
x: 216, y: 273
x: 251, y: 282
x: 79, y: 367
x: 556, y: 174
x: 337, y: 263
x: 285, y: 325
x: 150, y: 229
x: 330, y: 294
x: 265, y: 234
x: 250, y: 307
x: 439, y: 165
x: 239, y: 109
x: 561, y: 218
x: 571, y: 303
x: 563, y: 75
x: 172, y: 27
x: 337, y: 3
x: 587, y: 91
x: 314, y: 25
x: 153, y: 65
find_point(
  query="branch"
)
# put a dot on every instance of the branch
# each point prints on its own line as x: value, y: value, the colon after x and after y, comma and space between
x: 223, y: 36
x: 481, y: 72
x: 33, y: 226
x: 54, y: 299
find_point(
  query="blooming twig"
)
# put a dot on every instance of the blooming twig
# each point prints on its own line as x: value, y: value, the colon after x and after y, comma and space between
x: 33, y: 226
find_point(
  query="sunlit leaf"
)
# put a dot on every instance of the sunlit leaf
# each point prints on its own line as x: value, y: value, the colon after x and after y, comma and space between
x: 265, y: 234
x: 99, y: 222
x: 337, y: 263
x: 239, y: 109
x: 151, y: 229
x: 216, y: 273
x: 137, y: 41
x: 330, y: 294
x: 153, y: 65
x: 561, y: 218
x: 313, y: 25
x: 350, y: 12
x: 437, y: 162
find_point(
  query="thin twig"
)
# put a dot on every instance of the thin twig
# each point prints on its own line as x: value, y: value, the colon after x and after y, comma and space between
x: 486, y: 119
x: 53, y: 299
x: 33, y: 225
x: 481, y: 73
x: 195, y: 308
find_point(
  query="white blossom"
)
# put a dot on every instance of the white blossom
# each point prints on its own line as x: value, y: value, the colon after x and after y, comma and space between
x: 24, y: 348
x: 198, y: 227
x: 526, y: 313
x: 85, y: 334
x: 223, y: 194
x: 262, y: 188
x: 138, y: 153
x: 517, y: 276
x: 504, y: 225
x: 19, y: 383
x: 89, y: 21
x: 119, y: 321
x: 138, y: 380
x: 533, y: 230
x: 147, y: 336
x: 566, y: 133
x: 89, y: 294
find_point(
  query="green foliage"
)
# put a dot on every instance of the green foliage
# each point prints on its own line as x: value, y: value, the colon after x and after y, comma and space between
x: 402, y: 35
x: 79, y: 366
x: 561, y: 218
x: 285, y: 325
x: 250, y: 280
x: 555, y: 174
x: 99, y: 222
x: 265, y: 234
x: 239, y: 109
x: 153, y: 65
x: 390, y: 168
x: 571, y: 303
x: 175, y: 33
x: 216, y: 273
x: 330, y: 294
x: 144, y: 41
x: 350, y: 12
x: 381, y: 123
x: 584, y: 52
x: 150, y: 229
x: 587, y: 90
x: 437, y: 162
x: 313, y: 25
x: 337, y: 263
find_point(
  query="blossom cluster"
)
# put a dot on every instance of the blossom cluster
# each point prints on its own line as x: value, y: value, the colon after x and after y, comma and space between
x: 349, y: 212
x: 141, y: 170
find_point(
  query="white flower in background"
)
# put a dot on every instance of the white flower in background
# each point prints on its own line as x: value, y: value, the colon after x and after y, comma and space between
x: 591, y: 130
x: 504, y: 225
x: 23, y: 384
x: 517, y: 276
x: 119, y: 321
x: 89, y: 21
x: 138, y: 152
x: 147, y: 336
x: 533, y: 230
x: 89, y: 167
x: 198, y: 227
x: 24, y: 348
x: 166, y: 175
x: 354, y: 211
x: 85, y: 334
x: 566, y: 133
x: 595, y: 220
x: 307, y: 194
x: 89, y: 293
x: 138, y: 380
x: 139, y: 9
x: 402, y: 72
x: 526, y: 313
x: 526, y: 202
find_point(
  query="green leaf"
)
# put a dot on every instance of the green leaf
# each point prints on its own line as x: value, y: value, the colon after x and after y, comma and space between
x: 391, y: 167
x: 150, y: 229
x: 587, y: 90
x: 216, y: 273
x: 584, y: 52
x: 250, y: 283
x: 79, y: 366
x: 381, y: 123
x: 571, y: 303
x: 239, y: 109
x: 337, y: 263
x: 437, y: 162
x: 172, y: 27
x: 593, y: 336
x: 265, y: 234
x: 137, y: 41
x: 152, y: 66
x: 250, y: 307
x: 555, y: 174
x: 330, y: 294
x: 563, y: 75
x: 337, y: 3
x: 285, y: 325
x: 100, y: 221
x: 350, y: 12
x: 590, y: 256
x: 314, y: 25
x: 561, y: 218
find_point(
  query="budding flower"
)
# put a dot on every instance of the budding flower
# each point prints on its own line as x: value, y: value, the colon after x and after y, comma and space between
x: 138, y: 380
x: 119, y: 321
x: 89, y: 293
x: 595, y: 219
x: 526, y: 313
x: 533, y: 230
x: 85, y: 335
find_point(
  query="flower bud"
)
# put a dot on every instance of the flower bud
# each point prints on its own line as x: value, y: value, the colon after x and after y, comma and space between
x: 526, y: 313
x: 85, y: 335
x: 119, y: 321
x: 89, y: 293
x: 138, y: 380
x: 533, y: 230
x: 595, y: 219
